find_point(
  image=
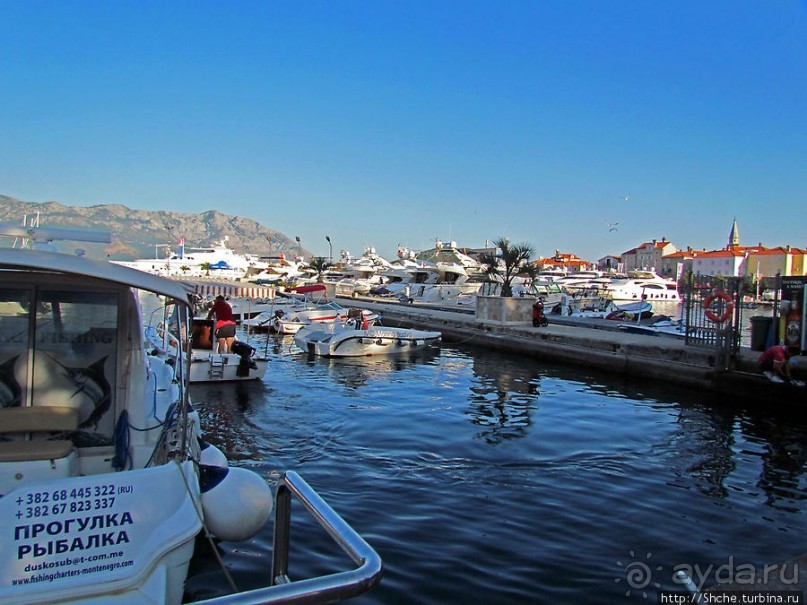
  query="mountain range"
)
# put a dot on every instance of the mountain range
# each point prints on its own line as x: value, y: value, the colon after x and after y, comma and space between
x: 146, y: 233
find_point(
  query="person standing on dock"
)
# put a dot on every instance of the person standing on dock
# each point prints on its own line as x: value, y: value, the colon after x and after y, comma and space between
x: 225, y: 323
x: 776, y: 359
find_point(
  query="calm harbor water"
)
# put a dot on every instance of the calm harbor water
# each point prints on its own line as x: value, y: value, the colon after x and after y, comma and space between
x: 481, y: 477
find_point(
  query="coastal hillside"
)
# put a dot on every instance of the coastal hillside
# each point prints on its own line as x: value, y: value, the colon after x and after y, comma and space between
x: 135, y: 233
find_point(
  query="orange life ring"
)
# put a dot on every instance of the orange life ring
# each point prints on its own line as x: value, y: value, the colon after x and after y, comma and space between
x: 727, y: 310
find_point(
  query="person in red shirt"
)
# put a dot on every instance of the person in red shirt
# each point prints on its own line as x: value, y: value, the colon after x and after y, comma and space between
x: 776, y: 359
x: 225, y: 323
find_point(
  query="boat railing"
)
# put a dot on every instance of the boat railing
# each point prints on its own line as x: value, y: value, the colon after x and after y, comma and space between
x: 310, y: 591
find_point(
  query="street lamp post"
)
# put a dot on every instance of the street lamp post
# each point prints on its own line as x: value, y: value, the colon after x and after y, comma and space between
x: 330, y: 249
x: 299, y: 247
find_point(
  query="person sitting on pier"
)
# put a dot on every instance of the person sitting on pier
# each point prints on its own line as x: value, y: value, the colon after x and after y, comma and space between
x: 225, y: 324
x: 776, y: 359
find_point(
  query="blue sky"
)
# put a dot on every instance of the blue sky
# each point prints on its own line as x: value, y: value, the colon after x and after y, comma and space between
x: 384, y: 123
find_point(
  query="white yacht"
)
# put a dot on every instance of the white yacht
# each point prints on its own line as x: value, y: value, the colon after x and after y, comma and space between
x: 442, y: 274
x: 218, y: 260
x: 358, y: 275
x: 642, y: 285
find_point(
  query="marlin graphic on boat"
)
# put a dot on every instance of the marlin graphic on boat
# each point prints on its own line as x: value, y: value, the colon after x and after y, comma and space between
x: 92, y: 383
x: 10, y: 390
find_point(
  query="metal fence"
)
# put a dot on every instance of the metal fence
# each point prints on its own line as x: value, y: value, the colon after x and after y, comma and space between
x: 713, y: 315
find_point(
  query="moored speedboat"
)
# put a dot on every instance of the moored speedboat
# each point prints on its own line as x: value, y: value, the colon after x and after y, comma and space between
x: 350, y: 339
x: 292, y: 320
x: 601, y: 308
x: 663, y: 326
x: 242, y: 362
x: 104, y: 481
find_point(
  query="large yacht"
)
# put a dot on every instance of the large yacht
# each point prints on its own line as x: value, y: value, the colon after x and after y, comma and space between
x: 643, y: 285
x: 217, y: 260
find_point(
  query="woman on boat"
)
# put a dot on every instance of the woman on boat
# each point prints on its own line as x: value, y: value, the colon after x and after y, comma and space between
x: 225, y: 323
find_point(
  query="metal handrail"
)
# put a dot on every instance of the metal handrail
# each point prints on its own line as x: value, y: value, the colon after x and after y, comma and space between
x: 312, y: 591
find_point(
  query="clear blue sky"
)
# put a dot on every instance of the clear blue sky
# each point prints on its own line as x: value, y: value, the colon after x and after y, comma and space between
x: 380, y: 122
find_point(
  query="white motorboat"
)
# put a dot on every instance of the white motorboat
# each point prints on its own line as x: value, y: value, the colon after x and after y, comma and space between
x: 349, y: 339
x: 300, y: 298
x: 440, y: 275
x: 292, y: 320
x: 642, y: 285
x: 243, y: 362
x: 601, y: 308
x: 663, y: 326
x: 105, y: 482
x: 581, y: 281
x: 352, y: 276
x: 263, y: 321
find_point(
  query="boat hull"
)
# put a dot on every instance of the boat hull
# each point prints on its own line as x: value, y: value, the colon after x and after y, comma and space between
x: 123, y: 546
x: 225, y: 367
x: 361, y: 343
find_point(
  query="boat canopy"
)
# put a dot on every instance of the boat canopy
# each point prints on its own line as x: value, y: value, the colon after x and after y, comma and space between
x: 56, y: 262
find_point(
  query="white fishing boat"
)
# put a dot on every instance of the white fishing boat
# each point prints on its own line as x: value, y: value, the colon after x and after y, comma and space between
x: 350, y: 339
x: 105, y: 482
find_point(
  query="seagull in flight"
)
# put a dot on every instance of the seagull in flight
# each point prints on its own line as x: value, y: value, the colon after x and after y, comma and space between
x: 612, y: 226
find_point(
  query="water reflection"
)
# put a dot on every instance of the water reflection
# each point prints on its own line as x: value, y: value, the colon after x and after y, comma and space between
x: 225, y: 410
x: 502, y: 398
x: 358, y: 372
x: 702, y: 448
x: 784, y: 457
x: 472, y: 456
x: 707, y: 433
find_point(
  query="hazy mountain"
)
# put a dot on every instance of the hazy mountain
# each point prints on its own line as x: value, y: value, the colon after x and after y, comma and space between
x: 135, y: 233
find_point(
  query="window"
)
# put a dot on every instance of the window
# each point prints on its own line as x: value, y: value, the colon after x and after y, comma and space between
x: 14, y: 337
x: 59, y: 347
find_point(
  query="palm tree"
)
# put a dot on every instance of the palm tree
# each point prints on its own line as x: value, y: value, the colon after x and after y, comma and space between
x: 319, y: 264
x: 514, y: 257
x: 205, y: 267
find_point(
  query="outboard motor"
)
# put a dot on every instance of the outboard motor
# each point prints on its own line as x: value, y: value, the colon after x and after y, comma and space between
x: 355, y: 317
x: 245, y: 352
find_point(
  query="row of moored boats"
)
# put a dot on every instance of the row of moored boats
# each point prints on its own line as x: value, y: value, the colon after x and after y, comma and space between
x: 441, y: 274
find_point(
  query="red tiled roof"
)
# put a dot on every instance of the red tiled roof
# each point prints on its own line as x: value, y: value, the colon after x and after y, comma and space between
x: 780, y: 251
x: 720, y: 253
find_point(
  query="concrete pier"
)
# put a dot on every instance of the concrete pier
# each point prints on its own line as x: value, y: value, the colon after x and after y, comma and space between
x: 596, y: 343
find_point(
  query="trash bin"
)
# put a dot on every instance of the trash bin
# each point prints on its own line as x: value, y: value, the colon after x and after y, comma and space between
x: 760, y: 328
